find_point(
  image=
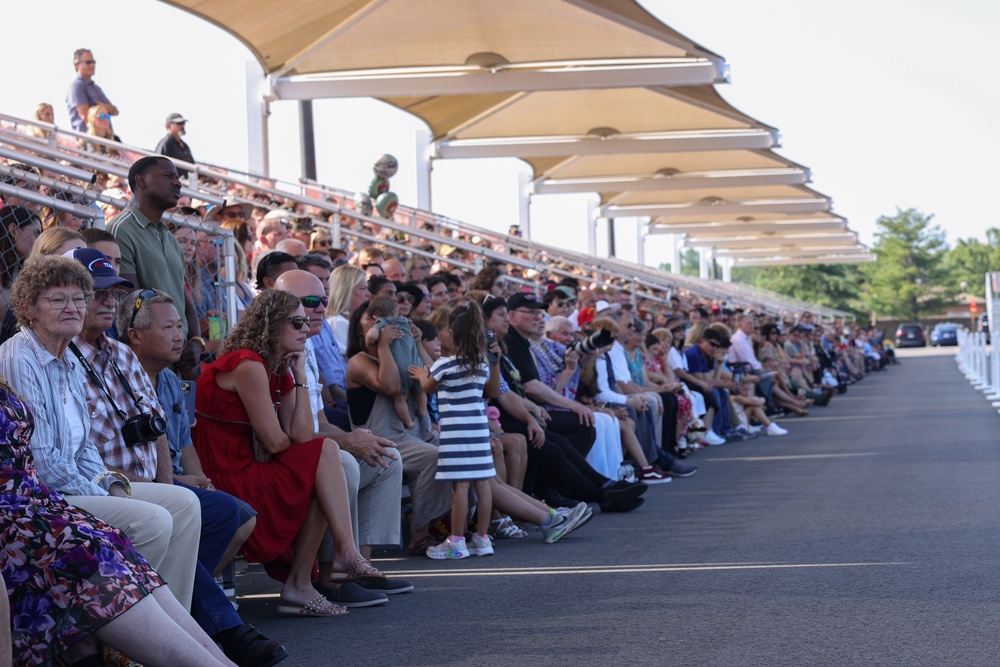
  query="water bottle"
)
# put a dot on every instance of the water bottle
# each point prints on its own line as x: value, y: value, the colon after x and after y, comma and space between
x: 626, y: 472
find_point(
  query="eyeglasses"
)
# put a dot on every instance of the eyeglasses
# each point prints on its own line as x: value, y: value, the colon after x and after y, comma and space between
x: 532, y: 312
x: 143, y: 295
x: 630, y: 325
x: 298, y: 321
x: 489, y: 297
x: 400, y: 298
x: 60, y: 302
x: 313, y: 301
x: 104, y: 116
x: 89, y: 62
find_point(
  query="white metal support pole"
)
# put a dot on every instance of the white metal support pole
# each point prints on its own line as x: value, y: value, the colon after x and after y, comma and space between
x: 640, y: 240
x: 727, y: 269
x: 593, y: 213
x: 675, y: 265
x: 425, y: 169
x: 524, y: 203
x: 704, y: 255
x: 258, y: 110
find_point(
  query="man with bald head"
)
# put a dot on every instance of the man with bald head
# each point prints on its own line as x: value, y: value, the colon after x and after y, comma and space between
x: 394, y: 270
x: 372, y: 466
x: 293, y: 247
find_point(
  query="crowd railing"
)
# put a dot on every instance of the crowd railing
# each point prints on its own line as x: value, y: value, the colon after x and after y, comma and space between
x: 346, y: 222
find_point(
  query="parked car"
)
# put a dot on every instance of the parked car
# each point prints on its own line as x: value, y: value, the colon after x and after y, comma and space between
x: 983, y: 325
x: 945, y: 333
x: 910, y: 335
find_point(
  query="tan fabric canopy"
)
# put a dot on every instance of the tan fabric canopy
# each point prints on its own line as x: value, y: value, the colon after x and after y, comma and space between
x: 297, y: 37
x: 597, y: 95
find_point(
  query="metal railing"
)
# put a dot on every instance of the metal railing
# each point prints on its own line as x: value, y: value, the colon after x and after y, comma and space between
x: 644, y: 283
x: 978, y: 362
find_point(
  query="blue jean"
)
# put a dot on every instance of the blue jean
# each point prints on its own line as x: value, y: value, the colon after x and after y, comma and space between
x: 721, y: 422
x: 220, y: 519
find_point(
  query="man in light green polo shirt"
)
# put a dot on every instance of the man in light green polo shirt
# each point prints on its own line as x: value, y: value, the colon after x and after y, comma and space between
x: 151, y: 256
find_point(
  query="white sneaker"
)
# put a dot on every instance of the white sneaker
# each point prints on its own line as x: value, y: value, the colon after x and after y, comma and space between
x: 754, y: 429
x: 480, y: 546
x: 774, y: 429
x: 713, y: 439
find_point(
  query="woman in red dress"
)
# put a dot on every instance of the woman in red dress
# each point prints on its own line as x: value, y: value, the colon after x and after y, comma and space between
x: 260, y: 446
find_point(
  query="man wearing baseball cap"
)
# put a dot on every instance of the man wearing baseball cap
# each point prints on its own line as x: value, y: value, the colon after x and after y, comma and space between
x: 172, y: 145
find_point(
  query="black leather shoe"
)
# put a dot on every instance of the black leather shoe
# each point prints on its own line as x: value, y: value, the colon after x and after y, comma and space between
x: 249, y: 647
x: 622, y: 490
x: 388, y: 586
x: 622, y: 505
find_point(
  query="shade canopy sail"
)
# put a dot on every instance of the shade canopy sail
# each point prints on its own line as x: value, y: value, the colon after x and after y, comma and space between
x: 597, y: 96
x: 349, y: 48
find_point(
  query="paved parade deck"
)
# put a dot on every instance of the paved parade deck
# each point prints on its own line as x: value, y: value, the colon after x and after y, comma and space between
x: 867, y: 536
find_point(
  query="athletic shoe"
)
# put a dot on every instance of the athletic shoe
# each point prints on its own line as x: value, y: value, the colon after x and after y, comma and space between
x: 558, y: 527
x: 452, y: 548
x: 651, y: 475
x: 713, y: 439
x: 746, y: 433
x: 683, y: 469
x: 578, y: 516
x: 480, y: 546
x: 774, y: 429
x: 753, y: 429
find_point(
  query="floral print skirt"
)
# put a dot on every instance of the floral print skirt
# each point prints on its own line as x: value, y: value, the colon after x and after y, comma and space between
x: 67, y: 573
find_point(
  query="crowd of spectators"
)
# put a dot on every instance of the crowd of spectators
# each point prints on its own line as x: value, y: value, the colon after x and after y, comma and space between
x: 350, y: 372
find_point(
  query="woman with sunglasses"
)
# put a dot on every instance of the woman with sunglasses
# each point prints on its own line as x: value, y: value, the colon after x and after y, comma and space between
x: 99, y: 125
x: 259, y: 447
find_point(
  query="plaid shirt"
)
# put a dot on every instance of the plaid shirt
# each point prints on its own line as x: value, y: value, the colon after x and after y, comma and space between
x: 105, y: 424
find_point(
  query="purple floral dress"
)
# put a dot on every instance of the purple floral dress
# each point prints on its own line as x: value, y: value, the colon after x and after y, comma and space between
x: 67, y: 573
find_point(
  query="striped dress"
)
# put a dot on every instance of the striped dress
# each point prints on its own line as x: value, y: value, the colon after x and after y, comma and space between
x: 464, y: 452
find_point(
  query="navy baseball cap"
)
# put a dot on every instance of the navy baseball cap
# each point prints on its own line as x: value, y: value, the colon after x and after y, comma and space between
x: 100, y: 267
x: 525, y: 300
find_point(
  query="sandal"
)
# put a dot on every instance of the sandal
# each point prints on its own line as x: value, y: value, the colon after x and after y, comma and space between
x: 419, y: 547
x: 318, y: 606
x: 360, y: 570
x: 504, y: 528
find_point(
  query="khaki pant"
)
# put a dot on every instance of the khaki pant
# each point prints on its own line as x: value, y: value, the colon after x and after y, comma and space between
x: 163, y: 523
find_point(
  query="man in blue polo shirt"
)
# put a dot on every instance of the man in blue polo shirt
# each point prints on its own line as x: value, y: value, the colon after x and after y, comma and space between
x: 701, y: 364
x: 83, y: 92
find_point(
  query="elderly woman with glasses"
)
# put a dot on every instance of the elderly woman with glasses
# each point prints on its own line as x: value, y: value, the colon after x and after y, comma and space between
x: 51, y: 299
x: 260, y: 447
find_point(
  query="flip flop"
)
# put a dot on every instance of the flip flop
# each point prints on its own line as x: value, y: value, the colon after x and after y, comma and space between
x: 318, y: 606
x: 360, y: 570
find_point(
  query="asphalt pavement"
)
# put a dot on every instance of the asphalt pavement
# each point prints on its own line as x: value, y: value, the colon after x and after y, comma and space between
x: 867, y: 536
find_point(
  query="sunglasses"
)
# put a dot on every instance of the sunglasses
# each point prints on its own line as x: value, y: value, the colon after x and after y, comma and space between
x: 313, y: 301
x: 88, y: 62
x: 298, y: 321
x: 714, y: 344
x: 323, y: 244
x: 400, y: 298
x: 143, y: 295
x: 104, y: 116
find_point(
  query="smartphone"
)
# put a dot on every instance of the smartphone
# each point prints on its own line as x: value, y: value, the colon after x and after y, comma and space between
x: 187, y: 388
x: 491, y: 337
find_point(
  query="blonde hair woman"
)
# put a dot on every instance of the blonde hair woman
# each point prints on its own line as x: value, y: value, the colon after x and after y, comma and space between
x: 99, y: 125
x: 348, y: 290
x: 43, y: 113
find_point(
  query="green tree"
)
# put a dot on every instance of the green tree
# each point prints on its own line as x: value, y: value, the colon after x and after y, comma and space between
x: 909, y: 276
x: 970, y: 260
x: 690, y: 263
x: 832, y: 285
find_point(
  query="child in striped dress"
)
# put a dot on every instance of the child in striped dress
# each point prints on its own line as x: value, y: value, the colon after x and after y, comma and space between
x: 464, y: 456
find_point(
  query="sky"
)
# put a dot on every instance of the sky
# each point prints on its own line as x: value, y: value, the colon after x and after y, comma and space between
x: 890, y: 103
